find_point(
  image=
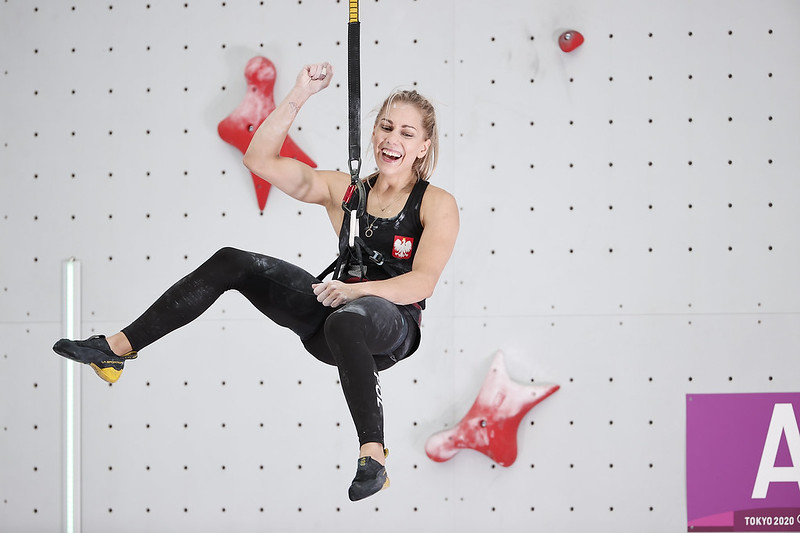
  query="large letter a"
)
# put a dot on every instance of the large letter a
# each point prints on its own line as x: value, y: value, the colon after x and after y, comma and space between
x: 783, y: 422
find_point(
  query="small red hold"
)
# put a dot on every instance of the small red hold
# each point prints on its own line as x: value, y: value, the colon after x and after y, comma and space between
x: 570, y: 40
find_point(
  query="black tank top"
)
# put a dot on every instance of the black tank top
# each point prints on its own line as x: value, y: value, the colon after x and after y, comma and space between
x: 396, y: 238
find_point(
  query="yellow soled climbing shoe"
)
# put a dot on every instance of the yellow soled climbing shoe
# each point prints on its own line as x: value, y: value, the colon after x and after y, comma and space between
x: 96, y: 353
x: 370, y: 478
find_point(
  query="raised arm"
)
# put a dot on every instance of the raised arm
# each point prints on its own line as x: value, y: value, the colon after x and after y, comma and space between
x: 293, y: 177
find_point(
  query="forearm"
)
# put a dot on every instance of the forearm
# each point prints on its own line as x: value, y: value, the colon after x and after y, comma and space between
x: 262, y: 157
x: 404, y: 289
x: 265, y: 146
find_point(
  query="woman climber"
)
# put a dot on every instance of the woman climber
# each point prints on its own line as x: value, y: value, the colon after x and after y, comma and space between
x: 365, y: 319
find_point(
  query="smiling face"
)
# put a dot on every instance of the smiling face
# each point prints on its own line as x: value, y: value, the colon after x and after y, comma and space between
x: 399, y: 139
x: 404, y: 138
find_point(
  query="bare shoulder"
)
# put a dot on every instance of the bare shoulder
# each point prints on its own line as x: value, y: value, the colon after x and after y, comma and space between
x: 438, y: 197
x: 438, y: 204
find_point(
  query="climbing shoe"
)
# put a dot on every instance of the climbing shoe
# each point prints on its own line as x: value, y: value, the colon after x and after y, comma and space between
x: 96, y: 353
x: 370, y: 478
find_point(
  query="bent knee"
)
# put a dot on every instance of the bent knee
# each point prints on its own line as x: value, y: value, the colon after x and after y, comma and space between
x: 227, y: 253
x: 231, y: 258
x: 350, y: 318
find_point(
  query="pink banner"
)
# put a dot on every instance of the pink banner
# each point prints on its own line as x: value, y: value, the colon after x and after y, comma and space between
x: 743, y: 462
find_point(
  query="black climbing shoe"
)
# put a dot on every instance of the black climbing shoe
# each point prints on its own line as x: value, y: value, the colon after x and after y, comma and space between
x: 370, y: 478
x: 96, y: 353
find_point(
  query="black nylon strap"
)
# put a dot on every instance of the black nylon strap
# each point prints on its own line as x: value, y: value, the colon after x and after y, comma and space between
x: 354, y: 92
x: 354, y: 111
x: 356, y: 195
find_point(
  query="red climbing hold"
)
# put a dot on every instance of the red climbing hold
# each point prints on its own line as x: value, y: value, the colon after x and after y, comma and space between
x: 239, y: 127
x: 570, y: 40
x: 491, y: 425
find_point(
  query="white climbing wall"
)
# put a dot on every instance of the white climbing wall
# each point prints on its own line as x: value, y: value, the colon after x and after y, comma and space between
x: 629, y: 231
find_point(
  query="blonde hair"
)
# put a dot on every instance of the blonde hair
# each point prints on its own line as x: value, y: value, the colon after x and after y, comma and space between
x: 424, y: 166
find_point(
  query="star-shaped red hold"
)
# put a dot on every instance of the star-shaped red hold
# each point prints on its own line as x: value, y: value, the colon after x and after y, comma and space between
x: 238, y: 127
x: 491, y: 425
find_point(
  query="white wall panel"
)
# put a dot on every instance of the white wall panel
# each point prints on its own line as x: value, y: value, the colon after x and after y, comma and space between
x: 629, y: 215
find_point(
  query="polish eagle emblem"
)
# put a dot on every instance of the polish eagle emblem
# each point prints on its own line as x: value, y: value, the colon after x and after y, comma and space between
x: 402, y: 247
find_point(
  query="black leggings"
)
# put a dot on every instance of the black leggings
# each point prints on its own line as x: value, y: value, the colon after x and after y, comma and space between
x: 360, y: 338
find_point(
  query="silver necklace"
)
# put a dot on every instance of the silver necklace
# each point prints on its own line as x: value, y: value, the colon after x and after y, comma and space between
x: 368, y: 232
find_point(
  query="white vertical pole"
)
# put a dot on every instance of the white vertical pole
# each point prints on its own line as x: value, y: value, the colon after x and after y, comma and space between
x: 71, y: 329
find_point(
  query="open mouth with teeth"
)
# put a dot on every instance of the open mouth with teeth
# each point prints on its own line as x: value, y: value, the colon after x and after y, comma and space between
x: 390, y: 155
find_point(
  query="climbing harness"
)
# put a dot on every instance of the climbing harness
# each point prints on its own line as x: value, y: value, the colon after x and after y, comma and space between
x: 354, y: 112
x: 355, y: 197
